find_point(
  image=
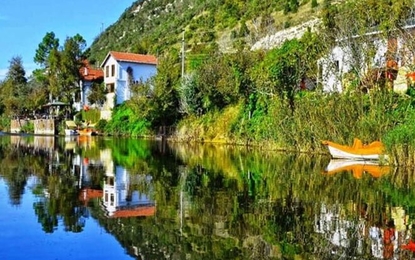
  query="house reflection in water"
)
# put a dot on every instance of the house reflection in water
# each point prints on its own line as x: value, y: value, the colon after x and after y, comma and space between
x: 120, y: 201
x: 119, y: 195
x: 354, y: 234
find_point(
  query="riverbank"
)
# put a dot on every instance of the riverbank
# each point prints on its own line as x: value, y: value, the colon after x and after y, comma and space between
x: 384, y: 116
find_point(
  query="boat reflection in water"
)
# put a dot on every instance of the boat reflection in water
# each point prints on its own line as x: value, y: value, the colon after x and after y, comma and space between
x: 358, y: 168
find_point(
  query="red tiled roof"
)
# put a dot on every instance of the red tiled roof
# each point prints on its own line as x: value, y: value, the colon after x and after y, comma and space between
x: 132, y: 57
x: 86, y: 194
x: 137, y: 212
x: 88, y: 73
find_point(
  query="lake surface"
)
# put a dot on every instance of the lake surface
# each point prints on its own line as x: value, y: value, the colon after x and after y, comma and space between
x: 108, y: 198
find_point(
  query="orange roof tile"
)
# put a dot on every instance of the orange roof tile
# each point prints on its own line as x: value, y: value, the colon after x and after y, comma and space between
x: 132, y: 57
x: 86, y: 194
x: 137, y: 212
x: 88, y: 73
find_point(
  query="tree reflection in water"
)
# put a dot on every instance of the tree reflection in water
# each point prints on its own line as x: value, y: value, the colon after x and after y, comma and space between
x: 203, y: 201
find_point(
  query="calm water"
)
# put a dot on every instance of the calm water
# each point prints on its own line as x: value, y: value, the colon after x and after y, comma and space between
x: 104, y: 198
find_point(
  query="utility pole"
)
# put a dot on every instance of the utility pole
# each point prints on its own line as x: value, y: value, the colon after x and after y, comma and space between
x: 182, y: 56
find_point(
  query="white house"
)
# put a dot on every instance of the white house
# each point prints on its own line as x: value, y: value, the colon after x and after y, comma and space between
x: 335, y: 67
x: 120, y: 69
x: 391, y: 60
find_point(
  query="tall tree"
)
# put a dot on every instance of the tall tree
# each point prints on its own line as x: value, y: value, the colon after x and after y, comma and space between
x: 70, y: 63
x: 16, y: 73
x: 14, y: 89
x: 49, y: 43
x: 60, y: 65
x: 282, y: 69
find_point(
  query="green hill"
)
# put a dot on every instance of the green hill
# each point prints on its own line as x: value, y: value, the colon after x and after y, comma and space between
x: 153, y: 27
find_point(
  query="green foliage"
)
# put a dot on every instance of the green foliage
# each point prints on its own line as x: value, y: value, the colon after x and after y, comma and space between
x: 127, y: 152
x: 60, y: 65
x: 14, y: 90
x: 98, y: 94
x: 357, y: 17
x: 92, y: 115
x: 283, y: 68
x: 291, y: 6
x: 4, y: 123
x: 270, y: 122
x: 28, y: 128
x: 101, y: 125
x: 205, y: 23
x: 16, y: 72
x: 124, y: 121
x: 157, y: 100
x: 48, y: 44
x: 190, y: 96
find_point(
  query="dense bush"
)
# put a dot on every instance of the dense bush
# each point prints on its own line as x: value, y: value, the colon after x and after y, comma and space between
x: 125, y: 122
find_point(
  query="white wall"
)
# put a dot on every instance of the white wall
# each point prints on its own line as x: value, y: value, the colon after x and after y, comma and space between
x: 120, y: 79
x: 340, y: 61
x: 141, y: 72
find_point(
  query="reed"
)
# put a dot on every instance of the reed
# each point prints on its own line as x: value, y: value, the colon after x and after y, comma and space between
x: 273, y: 124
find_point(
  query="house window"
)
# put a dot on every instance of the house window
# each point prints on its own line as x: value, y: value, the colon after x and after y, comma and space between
x: 110, y: 88
x: 107, y: 71
x: 112, y: 70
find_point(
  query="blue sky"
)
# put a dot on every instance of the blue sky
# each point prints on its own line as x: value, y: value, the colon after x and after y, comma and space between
x: 24, y: 23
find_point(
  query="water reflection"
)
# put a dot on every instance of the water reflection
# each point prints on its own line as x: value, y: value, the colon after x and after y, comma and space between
x: 358, y: 168
x: 203, y: 201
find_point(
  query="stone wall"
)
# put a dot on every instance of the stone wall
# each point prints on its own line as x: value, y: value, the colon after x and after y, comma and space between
x: 16, y: 125
x: 45, y: 126
x: 41, y: 126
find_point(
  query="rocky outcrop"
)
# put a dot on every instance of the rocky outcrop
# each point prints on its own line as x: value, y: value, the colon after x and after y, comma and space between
x: 275, y: 40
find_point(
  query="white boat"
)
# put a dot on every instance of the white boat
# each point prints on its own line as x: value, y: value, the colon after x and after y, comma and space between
x: 372, y: 151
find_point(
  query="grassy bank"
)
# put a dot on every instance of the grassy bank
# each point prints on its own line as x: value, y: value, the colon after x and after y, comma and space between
x: 272, y: 124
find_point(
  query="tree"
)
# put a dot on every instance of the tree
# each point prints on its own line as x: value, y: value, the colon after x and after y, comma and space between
x: 283, y: 68
x: 157, y: 100
x: 218, y: 80
x: 60, y: 65
x: 49, y: 43
x: 16, y: 71
x: 97, y: 94
x: 14, y: 88
x: 70, y: 63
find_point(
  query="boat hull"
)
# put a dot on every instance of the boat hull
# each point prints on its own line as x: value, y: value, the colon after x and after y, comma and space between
x: 337, y: 153
x: 372, y: 151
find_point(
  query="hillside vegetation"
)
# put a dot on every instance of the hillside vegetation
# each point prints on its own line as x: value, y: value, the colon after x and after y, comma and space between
x: 153, y: 27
